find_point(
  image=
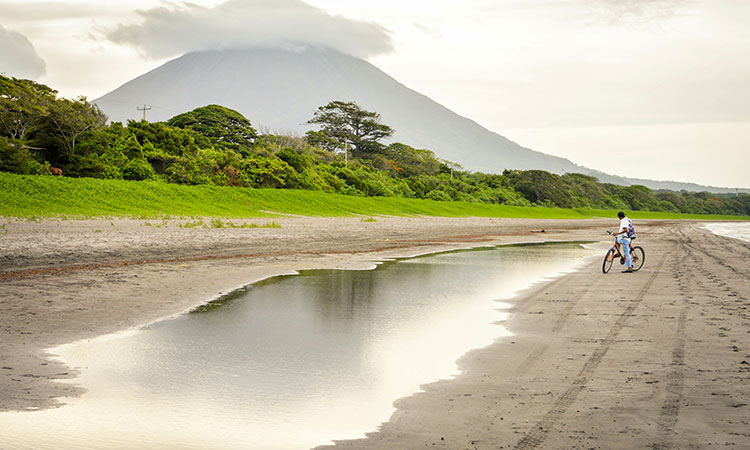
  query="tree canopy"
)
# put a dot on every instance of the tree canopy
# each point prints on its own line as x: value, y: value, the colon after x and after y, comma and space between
x: 21, y: 103
x: 217, y: 146
x: 72, y: 119
x: 224, y: 127
x: 346, y: 124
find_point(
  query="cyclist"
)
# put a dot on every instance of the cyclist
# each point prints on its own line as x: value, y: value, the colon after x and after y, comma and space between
x: 624, y: 236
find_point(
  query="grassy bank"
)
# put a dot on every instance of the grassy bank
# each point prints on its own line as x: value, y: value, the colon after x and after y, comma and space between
x: 658, y: 215
x: 46, y: 196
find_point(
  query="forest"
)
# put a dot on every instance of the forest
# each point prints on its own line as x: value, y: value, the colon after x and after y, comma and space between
x: 43, y: 134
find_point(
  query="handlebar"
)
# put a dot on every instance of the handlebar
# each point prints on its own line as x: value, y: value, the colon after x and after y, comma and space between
x: 611, y: 233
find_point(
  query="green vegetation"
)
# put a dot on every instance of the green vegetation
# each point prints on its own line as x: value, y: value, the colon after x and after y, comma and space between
x: 345, y: 125
x: 224, y: 127
x: 661, y: 215
x: 218, y: 223
x: 32, y: 197
x: 227, y: 169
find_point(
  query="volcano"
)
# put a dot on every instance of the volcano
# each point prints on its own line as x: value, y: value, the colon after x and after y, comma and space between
x: 280, y: 90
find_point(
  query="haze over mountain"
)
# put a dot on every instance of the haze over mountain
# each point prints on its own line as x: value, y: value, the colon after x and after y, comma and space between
x: 279, y: 90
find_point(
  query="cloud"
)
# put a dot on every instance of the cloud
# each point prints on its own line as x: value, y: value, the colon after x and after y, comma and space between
x: 636, y: 11
x: 18, y: 58
x: 610, y: 12
x: 180, y: 28
x: 429, y: 31
x: 53, y: 10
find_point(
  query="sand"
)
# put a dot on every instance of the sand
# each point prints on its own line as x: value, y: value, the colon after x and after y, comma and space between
x: 657, y: 359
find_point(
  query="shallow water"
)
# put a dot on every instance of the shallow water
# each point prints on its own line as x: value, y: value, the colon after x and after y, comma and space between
x: 292, y: 362
x: 737, y: 230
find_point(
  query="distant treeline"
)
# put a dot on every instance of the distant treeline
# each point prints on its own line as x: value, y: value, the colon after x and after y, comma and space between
x: 41, y: 133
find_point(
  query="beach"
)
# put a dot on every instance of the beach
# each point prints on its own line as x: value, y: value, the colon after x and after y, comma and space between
x: 658, y: 358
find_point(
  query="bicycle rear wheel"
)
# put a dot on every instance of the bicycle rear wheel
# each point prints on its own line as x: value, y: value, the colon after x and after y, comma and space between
x: 637, y: 257
x: 608, y: 258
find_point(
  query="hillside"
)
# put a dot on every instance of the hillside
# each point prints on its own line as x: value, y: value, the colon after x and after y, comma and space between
x: 280, y: 90
x: 217, y: 146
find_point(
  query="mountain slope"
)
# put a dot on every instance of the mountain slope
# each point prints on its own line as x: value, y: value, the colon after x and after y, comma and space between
x: 279, y: 90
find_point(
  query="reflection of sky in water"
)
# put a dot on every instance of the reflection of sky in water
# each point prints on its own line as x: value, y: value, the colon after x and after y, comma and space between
x: 291, y: 363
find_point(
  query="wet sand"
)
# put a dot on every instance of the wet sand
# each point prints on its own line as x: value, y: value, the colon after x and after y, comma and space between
x: 658, y: 358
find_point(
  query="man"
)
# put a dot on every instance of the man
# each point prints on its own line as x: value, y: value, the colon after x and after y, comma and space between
x: 624, y: 236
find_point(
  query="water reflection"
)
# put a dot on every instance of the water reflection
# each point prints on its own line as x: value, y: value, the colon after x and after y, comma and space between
x: 291, y: 362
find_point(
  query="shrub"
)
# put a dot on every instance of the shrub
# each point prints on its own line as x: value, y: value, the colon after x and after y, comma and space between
x: 16, y: 158
x: 439, y: 196
x: 138, y: 169
x: 267, y: 172
x: 297, y: 161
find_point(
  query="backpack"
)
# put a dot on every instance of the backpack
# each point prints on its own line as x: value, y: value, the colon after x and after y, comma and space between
x: 631, y: 230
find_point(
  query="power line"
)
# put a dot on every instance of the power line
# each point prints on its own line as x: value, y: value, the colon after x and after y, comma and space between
x: 144, y: 109
x: 130, y: 102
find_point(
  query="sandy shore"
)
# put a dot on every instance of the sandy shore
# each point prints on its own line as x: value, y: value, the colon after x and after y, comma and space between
x: 658, y: 358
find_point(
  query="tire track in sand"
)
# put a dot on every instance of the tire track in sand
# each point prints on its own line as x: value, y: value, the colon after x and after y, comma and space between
x: 694, y: 269
x: 565, y: 314
x: 721, y: 241
x: 540, y: 431
x: 670, y: 409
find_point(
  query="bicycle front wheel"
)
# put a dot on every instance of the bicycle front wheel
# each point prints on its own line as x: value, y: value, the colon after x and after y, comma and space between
x: 637, y: 257
x: 608, y: 258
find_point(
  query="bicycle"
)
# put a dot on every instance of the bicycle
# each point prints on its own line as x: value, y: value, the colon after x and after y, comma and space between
x: 637, y: 257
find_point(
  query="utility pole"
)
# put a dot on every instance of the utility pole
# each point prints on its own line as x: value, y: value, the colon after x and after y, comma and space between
x: 144, y: 109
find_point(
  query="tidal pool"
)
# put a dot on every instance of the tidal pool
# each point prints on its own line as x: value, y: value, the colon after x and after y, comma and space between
x: 291, y: 362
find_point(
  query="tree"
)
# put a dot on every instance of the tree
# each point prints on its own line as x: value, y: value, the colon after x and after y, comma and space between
x: 21, y: 103
x: 348, y: 125
x: 17, y: 158
x: 449, y: 166
x: 71, y: 119
x: 168, y: 139
x: 409, y: 161
x: 540, y: 187
x: 322, y: 140
x: 224, y: 127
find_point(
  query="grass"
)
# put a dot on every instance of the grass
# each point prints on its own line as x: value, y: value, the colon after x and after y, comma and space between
x: 216, y: 222
x: 658, y: 215
x: 33, y: 197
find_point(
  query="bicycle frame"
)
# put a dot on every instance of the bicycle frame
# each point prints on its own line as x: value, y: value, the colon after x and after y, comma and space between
x: 637, y: 256
x: 617, y: 245
x: 616, y: 250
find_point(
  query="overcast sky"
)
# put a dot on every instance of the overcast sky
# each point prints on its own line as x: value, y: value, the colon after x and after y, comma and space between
x: 642, y: 88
